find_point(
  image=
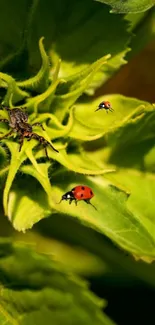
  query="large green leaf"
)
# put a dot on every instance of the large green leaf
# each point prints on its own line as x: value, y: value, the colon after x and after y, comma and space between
x: 36, y: 200
x: 131, y: 122
x: 141, y: 201
x: 112, y: 217
x: 129, y: 5
x: 34, y: 290
x: 72, y: 41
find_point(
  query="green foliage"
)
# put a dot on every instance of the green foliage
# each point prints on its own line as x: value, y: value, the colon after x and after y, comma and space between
x: 134, y: 6
x: 132, y: 120
x: 37, y: 291
x: 53, y: 59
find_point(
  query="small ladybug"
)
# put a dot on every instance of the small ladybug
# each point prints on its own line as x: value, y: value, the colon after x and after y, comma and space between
x: 105, y: 105
x: 80, y: 192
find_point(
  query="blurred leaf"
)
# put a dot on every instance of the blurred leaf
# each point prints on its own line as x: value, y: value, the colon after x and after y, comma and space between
x: 14, y: 39
x: 135, y: 19
x: 129, y: 5
x: 119, y: 263
x: 73, y: 258
x: 12, y: 36
x: 149, y: 159
x: 38, y: 291
x: 143, y: 29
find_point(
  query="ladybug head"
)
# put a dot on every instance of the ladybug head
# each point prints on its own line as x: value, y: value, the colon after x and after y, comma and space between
x: 102, y: 105
x: 64, y: 197
x: 67, y: 196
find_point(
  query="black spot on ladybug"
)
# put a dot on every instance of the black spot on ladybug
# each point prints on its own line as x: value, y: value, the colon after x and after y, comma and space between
x: 82, y: 187
x: 91, y: 192
x: 81, y: 195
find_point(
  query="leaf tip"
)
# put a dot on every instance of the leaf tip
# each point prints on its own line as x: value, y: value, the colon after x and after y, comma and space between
x: 41, y: 40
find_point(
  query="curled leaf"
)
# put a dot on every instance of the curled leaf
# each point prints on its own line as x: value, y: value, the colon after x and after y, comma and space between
x: 40, y: 81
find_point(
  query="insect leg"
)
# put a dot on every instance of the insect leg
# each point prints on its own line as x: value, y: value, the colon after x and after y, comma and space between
x: 97, y: 109
x: 5, y: 107
x: 6, y: 135
x: 38, y: 124
x: 43, y: 141
x: 88, y: 202
x: 46, y: 153
x: 21, y: 140
x: 4, y: 120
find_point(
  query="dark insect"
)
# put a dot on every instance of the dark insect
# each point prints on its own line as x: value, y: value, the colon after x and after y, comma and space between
x: 105, y: 105
x: 78, y: 193
x: 18, y: 122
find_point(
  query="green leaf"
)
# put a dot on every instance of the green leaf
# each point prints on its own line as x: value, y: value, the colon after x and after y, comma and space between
x: 42, y: 102
x: 149, y: 158
x: 17, y: 158
x: 14, y: 39
x: 14, y: 93
x: 135, y: 20
x: 142, y: 26
x: 54, y: 128
x: 40, y: 291
x: 40, y: 81
x: 39, y: 203
x: 141, y: 201
x: 74, y: 43
x: 77, y: 162
x: 62, y: 102
x: 131, y: 122
x: 129, y: 5
x: 11, y: 38
x: 112, y: 217
x: 23, y: 198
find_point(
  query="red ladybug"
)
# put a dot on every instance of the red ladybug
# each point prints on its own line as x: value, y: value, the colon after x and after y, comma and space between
x: 105, y: 105
x: 80, y: 192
